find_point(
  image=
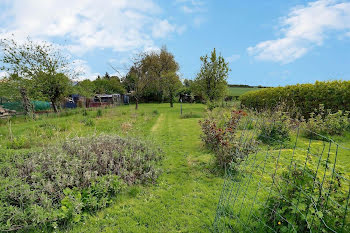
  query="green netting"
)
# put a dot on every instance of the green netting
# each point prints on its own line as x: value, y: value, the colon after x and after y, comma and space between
x: 299, y: 186
x: 18, y: 106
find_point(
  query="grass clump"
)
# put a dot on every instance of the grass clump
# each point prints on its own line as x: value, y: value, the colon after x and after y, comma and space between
x: 190, y: 115
x: 61, y: 184
x: 99, y: 113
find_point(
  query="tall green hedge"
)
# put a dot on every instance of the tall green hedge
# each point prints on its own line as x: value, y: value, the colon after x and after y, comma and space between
x: 335, y: 95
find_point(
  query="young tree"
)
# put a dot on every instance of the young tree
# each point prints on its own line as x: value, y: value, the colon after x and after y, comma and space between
x: 137, y: 80
x: 53, y: 87
x: 171, y: 83
x: 211, y: 80
x: 32, y: 60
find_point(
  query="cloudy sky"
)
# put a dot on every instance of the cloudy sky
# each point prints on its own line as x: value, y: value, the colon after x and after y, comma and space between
x: 273, y: 42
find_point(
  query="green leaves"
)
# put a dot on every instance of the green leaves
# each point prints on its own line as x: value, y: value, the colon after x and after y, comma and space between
x: 210, y: 82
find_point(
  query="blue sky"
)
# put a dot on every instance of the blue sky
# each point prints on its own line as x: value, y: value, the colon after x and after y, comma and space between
x: 271, y: 43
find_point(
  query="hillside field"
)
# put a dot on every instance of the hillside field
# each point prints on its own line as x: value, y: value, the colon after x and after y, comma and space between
x: 238, y: 91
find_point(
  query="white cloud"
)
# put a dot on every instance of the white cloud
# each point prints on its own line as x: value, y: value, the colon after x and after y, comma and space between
x: 191, y: 6
x: 121, y: 25
x: 162, y: 28
x: 233, y: 58
x: 304, y: 28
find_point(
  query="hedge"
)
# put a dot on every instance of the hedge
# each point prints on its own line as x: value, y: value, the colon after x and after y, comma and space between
x: 335, y: 95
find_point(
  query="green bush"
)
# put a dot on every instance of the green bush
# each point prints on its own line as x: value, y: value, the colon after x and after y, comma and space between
x: 324, y: 122
x: 219, y: 133
x: 298, y: 204
x: 275, y: 129
x: 99, y: 113
x: 20, y: 142
x: 335, y: 95
x: 59, y: 185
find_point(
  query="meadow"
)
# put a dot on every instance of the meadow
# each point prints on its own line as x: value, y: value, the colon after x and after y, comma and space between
x: 238, y: 91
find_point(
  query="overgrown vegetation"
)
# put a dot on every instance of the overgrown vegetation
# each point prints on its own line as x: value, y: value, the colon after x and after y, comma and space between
x: 326, y: 123
x: 61, y: 184
x: 298, y: 204
x: 220, y: 134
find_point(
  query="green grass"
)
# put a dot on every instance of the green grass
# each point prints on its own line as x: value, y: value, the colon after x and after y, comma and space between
x: 238, y: 91
x: 185, y: 197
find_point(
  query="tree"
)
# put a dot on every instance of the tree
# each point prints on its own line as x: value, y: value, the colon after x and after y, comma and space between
x: 85, y: 88
x: 33, y: 60
x: 137, y: 80
x: 149, y: 73
x: 108, y: 85
x: 53, y: 87
x: 171, y: 83
x: 211, y: 80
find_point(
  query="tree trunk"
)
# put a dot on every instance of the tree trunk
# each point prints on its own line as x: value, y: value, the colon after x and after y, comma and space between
x: 54, y: 106
x: 137, y: 103
x: 171, y: 101
x: 26, y: 103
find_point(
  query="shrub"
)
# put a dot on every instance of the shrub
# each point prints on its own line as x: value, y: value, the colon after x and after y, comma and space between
x: 298, y: 198
x: 61, y: 184
x: 99, y: 113
x: 155, y: 112
x: 335, y: 95
x: 88, y: 122
x: 84, y: 112
x: 275, y: 128
x: 326, y: 123
x: 222, y: 139
x: 20, y: 142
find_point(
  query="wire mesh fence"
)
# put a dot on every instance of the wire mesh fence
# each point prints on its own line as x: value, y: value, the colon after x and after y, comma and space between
x: 297, y: 185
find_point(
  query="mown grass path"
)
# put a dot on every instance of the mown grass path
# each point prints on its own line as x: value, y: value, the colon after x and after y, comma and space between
x: 186, y: 194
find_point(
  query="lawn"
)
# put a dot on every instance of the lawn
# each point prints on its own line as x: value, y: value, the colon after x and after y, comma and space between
x: 186, y: 194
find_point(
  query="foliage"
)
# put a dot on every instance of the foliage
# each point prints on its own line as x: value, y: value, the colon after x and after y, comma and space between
x: 33, y: 60
x: 324, y: 122
x: 299, y: 198
x: 99, y: 113
x: 210, y: 82
x: 335, y: 95
x: 153, y: 76
x: 275, y: 128
x: 53, y: 86
x: 88, y: 122
x: 171, y: 84
x: 220, y: 135
x: 61, y: 184
x: 85, y: 88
